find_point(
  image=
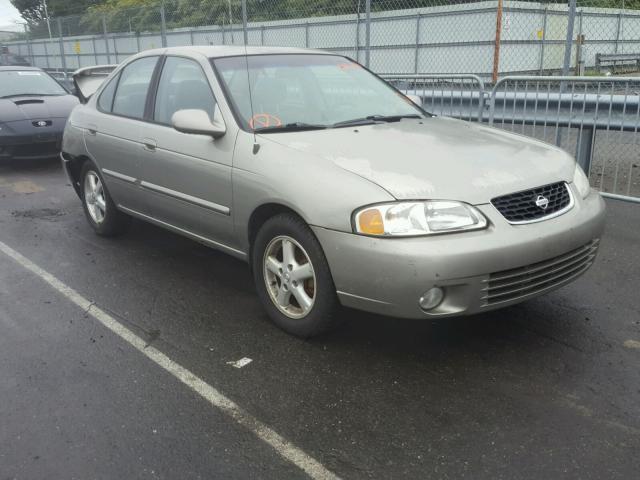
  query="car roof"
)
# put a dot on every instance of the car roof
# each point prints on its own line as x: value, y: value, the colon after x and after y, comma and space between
x: 235, y: 50
x: 8, y: 68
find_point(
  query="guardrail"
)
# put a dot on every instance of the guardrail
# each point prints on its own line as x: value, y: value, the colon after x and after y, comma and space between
x: 458, y: 95
x: 579, y: 114
x: 595, y: 118
x: 614, y: 59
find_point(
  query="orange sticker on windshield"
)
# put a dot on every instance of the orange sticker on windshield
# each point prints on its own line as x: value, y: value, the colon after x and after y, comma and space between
x: 264, y: 120
x: 348, y: 66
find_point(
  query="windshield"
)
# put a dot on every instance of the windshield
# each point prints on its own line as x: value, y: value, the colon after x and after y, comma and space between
x: 28, y: 82
x: 307, y: 91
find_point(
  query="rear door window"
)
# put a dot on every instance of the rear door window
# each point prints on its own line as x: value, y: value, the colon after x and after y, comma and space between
x: 131, y: 95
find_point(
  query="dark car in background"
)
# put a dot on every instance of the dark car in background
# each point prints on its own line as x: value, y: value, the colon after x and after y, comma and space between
x: 11, y: 59
x: 34, y: 109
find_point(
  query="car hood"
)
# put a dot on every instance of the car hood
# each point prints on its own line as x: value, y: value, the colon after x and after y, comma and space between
x: 36, y: 108
x: 437, y: 158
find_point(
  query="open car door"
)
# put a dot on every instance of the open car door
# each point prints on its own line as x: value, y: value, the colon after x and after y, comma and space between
x: 87, y: 80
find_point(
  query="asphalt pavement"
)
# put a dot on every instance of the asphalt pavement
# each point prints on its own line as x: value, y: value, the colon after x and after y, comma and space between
x: 549, y: 388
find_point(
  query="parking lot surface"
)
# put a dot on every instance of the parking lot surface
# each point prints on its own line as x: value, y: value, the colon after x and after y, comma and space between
x: 549, y: 388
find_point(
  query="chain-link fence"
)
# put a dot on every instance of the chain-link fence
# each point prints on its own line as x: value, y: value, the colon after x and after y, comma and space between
x: 485, y: 38
x: 450, y: 53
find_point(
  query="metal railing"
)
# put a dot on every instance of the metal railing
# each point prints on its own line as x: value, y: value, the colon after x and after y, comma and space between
x: 459, y: 96
x: 597, y: 119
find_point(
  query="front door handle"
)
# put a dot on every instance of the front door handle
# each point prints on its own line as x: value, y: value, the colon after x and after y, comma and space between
x: 92, y: 129
x: 149, y: 144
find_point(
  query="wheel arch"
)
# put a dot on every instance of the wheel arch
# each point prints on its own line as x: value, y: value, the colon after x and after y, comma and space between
x: 263, y: 213
x: 74, y: 165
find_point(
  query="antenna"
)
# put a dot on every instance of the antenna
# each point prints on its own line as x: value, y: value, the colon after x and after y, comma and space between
x: 256, y: 146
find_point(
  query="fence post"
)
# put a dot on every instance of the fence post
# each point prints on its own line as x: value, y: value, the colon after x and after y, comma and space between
x: 115, y: 48
x: 579, y: 43
x: 163, y: 26
x: 245, y: 33
x: 46, y: 52
x: 544, y: 37
x: 95, y: 51
x: 569, y: 40
x: 496, y: 48
x: 106, y: 39
x: 415, y: 55
x: 357, y: 40
x: 61, y: 41
x: 29, y: 47
x: 306, y: 35
x: 367, y: 34
x: 566, y: 64
x: 618, y: 28
x: 584, y: 147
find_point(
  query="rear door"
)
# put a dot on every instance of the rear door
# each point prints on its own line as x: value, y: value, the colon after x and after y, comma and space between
x: 187, y: 178
x: 113, y: 134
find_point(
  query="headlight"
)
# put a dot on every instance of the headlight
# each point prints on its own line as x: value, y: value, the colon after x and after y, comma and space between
x: 409, y: 219
x: 581, y: 182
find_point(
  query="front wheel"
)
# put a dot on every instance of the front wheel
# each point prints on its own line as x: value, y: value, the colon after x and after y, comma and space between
x: 292, y: 277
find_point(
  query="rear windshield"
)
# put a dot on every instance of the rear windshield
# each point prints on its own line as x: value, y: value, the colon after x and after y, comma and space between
x: 28, y: 82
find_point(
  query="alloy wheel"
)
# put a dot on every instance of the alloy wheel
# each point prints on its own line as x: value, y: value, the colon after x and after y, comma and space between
x: 289, y: 277
x: 94, y: 197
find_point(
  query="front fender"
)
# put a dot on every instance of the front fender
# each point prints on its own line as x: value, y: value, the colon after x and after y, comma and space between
x: 322, y: 193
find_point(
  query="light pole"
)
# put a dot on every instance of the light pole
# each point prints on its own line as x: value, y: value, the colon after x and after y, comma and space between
x: 46, y: 14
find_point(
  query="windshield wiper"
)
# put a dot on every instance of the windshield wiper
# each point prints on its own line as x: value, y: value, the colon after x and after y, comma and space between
x: 291, y: 127
x: 374, y: 119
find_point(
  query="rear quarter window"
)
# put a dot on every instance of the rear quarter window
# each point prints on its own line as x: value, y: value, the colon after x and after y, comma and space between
x: 105, y: 101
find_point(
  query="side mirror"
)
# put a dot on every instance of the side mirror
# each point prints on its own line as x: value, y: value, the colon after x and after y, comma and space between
x: 197, y: 122
x: 415, y: 99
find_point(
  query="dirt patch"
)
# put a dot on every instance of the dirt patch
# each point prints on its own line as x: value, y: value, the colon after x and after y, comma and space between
x: 41, y: 213
x: 26, y: 186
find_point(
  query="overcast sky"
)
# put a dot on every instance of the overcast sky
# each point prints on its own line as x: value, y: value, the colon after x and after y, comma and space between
x: 8, y: 14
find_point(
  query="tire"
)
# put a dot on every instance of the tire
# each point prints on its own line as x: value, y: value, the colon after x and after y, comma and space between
x: 274, y: 277
x: 112, y: 221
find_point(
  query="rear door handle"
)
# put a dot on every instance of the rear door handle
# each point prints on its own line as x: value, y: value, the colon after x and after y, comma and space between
x: 149, y: 144
x: 92, y: 129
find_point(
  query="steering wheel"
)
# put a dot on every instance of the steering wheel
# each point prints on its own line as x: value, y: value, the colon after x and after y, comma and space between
x: 263, y: 120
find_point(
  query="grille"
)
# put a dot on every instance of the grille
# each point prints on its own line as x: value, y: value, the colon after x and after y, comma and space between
x: 521, y: 207
x: 531, y: 279
x: 35, y: 149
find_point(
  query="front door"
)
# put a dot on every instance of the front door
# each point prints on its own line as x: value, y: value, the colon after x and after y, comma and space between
x: 187, y: 178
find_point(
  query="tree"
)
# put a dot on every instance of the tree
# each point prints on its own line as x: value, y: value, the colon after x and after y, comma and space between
x: 33, y: 11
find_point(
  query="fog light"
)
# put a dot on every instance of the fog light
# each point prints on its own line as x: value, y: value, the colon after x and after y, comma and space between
x: 431, y: 298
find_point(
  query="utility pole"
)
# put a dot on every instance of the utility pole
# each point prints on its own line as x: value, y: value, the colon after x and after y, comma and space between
x: 496, y: 48
x: 46, y: 14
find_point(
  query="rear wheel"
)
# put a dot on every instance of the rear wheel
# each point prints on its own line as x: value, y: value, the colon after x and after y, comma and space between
x: 292, y: 277
x: 99, y: 208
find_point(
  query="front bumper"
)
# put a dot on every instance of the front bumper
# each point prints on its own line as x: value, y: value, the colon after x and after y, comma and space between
x: 31, y: 147
x: 479, y: 271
